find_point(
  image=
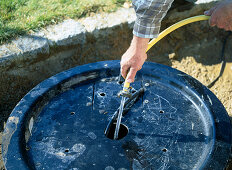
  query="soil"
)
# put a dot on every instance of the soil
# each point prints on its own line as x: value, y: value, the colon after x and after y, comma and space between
x: 206, y: 74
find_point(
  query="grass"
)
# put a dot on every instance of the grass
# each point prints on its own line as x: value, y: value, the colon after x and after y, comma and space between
x: 18, y: 17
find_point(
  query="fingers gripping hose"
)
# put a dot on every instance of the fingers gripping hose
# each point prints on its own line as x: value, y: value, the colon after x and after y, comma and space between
x: 169, y: 30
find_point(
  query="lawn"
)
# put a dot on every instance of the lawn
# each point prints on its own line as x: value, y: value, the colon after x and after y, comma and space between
x: 18, y: 17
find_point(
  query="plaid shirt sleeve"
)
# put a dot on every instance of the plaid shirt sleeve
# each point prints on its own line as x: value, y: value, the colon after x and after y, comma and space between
x: 149, y: 16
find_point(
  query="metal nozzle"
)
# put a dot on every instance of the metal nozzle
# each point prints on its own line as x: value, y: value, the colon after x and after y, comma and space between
x: 125, y: 92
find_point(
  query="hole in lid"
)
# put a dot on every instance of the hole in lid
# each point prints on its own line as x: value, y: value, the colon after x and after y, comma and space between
x: 120, y: 82
x: 146, y: 101
x: 102, y: 94
x: 164, y: 150
x: 147, y: 84
x: 161, y: 111
x: 72, y: 113
x: 27, y: 148
x: 66, y: 150
x: 123, y: 131
x: 133, y: 91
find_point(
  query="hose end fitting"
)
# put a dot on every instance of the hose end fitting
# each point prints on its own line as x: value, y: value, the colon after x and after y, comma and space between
x: 126, y: 91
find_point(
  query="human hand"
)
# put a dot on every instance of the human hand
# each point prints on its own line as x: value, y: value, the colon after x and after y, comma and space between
x: 132, y: 60
x: 221, y: 15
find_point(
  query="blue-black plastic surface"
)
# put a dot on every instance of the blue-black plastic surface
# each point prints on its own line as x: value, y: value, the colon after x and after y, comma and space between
x: 177, y: 124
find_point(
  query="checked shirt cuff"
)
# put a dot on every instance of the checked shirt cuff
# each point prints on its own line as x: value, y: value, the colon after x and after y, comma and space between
x: 145, y: 29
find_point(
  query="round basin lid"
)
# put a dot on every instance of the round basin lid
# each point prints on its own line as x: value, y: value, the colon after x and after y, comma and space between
x: 177, y: 124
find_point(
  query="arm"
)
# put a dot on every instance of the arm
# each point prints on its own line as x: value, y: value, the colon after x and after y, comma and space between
x: 147, y: 25
x: 221, y: 15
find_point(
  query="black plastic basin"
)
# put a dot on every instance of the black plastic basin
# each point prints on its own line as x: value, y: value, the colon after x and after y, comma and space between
x: 59, y: 124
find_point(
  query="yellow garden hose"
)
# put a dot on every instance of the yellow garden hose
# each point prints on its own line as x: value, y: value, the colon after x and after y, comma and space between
x: 175, y: 26
x: 169, y: 30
